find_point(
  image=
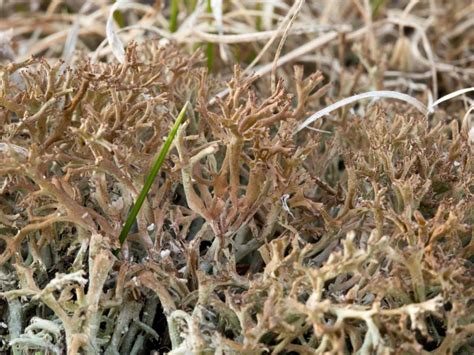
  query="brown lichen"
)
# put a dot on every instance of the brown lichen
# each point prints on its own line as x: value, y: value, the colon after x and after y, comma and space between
x: 254, y: 239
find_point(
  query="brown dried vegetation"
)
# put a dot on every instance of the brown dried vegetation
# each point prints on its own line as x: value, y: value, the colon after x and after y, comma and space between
x: 354, y: 235
x: 254, y: 239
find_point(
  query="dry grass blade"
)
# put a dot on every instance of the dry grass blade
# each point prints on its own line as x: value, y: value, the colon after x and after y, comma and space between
x: 113, y: 39
x: 449, y: 97
x: 73, y: 35
x: 295, y: 9
x: 367, y: 95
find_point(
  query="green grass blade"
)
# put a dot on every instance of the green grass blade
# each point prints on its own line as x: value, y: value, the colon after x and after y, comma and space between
x: 209, y: 46
x: 151, y: 176
x: 376, y: 5
x: 119, y: 18
x: 174, y: 12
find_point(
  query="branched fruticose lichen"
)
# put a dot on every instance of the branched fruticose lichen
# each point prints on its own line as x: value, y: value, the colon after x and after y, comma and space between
x: 356, y: 238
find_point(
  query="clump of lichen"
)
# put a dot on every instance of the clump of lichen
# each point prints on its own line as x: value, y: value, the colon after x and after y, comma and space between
x: 254, y: 238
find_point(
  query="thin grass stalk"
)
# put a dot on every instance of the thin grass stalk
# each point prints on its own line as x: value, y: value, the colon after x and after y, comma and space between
x: 209, y: 46
x: 151, y: 177
x: 174, y: 15
x: 366, y: 95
